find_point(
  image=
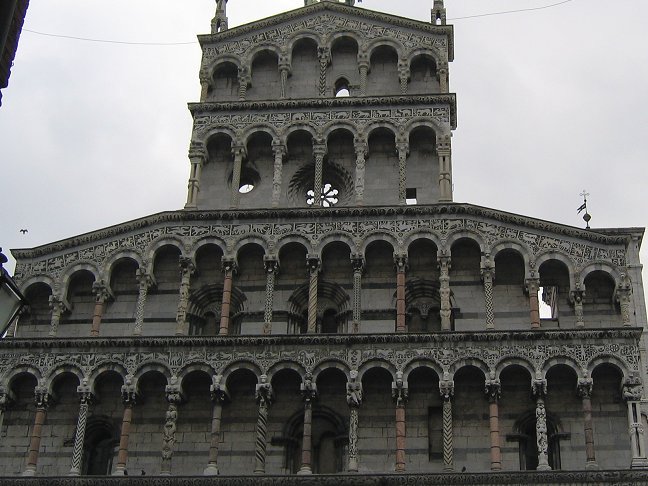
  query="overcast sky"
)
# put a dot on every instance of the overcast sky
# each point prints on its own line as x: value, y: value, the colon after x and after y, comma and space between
x: 550, y: 102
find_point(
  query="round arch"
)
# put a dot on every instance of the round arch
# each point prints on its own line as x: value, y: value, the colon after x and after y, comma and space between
x: 329, y: 364
x: 376, y: 363
x: 418, y: 363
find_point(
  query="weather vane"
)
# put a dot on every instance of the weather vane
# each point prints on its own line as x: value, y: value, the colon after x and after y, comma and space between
x: 586, y: 217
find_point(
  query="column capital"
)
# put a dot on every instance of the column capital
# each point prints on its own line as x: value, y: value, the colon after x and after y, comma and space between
x: 263, y: 392
x: 357, y: 262
x: 576, y: 296
x: 229, y: 264
x: 238, y: 150
x: 314, y: 263
x: 584, y: 387
x: 278, y: 148
x: 402, y: 147
x: 361, y: 146
x: 446, y: 389
x: 532, y: 285
x: 6, y: 398
x: 400, y: 392
x: 539, y: 388
x: 487, y: 267
x: 400, y: 260
x: 632, y: 389
x: 57, y: 303
x: 270, y: 263
x: 324, y: 54
x: 85, y: 392
x: 129, y: 392
x: 173, y: 391
x: 308, y: 389
x: 444, y: 260
x: 197, y: 150
x: 42, y: 397
x: 144, y: 278
x: 493, y: 390
x: 319, y: 147
x: 101, y: 291
x: 187, y: 266
x: 354, y: 391
x: 218, y: 390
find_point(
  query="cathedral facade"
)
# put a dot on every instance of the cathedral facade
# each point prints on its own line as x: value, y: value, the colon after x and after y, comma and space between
x: 322, y: 306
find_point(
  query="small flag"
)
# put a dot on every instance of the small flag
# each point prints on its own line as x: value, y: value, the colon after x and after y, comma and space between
x: 582, y: 208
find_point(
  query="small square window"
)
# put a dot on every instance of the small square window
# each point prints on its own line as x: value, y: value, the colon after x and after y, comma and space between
x: 410, y: 196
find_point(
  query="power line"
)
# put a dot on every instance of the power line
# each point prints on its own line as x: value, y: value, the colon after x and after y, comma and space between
x: 505, y: 12
x: 108, y: 41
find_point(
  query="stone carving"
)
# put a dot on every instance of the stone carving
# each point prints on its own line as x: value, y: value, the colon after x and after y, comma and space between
x: 541, y: 435
x: 264, y: 399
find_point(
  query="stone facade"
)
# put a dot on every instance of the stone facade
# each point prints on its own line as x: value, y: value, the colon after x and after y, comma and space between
x: 321, y: 305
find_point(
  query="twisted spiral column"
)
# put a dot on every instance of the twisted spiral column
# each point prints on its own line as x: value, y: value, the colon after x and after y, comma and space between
x: 86, y: 398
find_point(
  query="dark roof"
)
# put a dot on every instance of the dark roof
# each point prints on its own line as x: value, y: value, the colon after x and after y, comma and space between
x: 12, y: 16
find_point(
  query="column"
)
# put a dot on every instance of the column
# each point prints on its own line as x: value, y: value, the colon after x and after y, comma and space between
x: 309, y: 393
x: 187, y: 268
x: 624, y: 296
x: 399, y: 394
x: 324, y: 56
x: 400, y: 259
x: 319, y: 151
x: 584, y: 391
x: 244, y: 81
x: 363, y: 67
x: 218, y: 395
x: 442, y: 72
x: 402, y: 146
x: 493, y: 393
x: 279, y: 151
x: 284, y: 71
x: 86, y: 398
x: 632, y: 394
x: 5, y: 401
x: 354, y: 399
x: 144, y: 281
x: 271, y: 265
x: 239, y: 153
x: 532, y: 287
x: 58, y: 307
x: 197, y: 157
x: 101, y: 296
x: 129, y: 397
x: 42, y: 398
x: 313, y: 263
x: 264, y: 400
x: 445, y: 168
x: 361, y: 150
x: 488, y: 275
x: 174, y: 398
x: 446, y: 388
x: 205, y: 81
x: 444, y: 293
x: 539, y: 389
x: 357, y: 262
x: 403, y: 75
x: 229, y: 267
x: 576, y: 297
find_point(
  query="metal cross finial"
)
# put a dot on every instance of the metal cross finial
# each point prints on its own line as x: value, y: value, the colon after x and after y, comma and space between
x: 583, y: 207
x: 584, y: 194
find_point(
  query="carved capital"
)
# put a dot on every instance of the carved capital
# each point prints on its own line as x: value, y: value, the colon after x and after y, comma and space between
x: 144, y: 278
x: 129, y: 392
x: 187, y: 266
x: 584, y: 387
x: 101, y: 291
x: 270, y: 264
x: 238, y: 151
x: 197, y: 151
x: 308, y: 388
x: 263, y: 392
x: 85, y: 393
x: 577, y: 296
x: 361, y: 147
x: 42, y: 398
x: 446, y: 389
x: 313, y: 263
x: 493, y: 390
x: 444, y: 146
x: 539, y: 388
x: 173, y: 391
x: 278, y: 148
x: 218, y: 390
x: 324, y: 55
x: 354, y: 393
x: 319, y: 147
x: 357, y: 262
x: 229, y: 265
x: 632, y: 389
x: 400, y: 261
x: 56, y: 304
x: 400, y: 392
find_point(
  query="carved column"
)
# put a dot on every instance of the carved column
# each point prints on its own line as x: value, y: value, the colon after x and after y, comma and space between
x: 239, y: 153
x: 264, y: 400
x: 187, y: 268
x: 218, y: 395
x: 363, y: 67
x: 576, y: 297
x: 197, y: 157
x: 86, y: 398
x: 400, y: 260
x: 229, y: 267
x: 402, y: 146
x: 174, y: 398
x: 444, y: 152
x: 324, y: 56
x: 444, y: 293
x: 488, y: 275
x: 244, y: 81
x: 632, y: 394
x: 129, y: 397
x: 532, y: 287
x: 5, y: 400
x: 446, y: 388
x: 540, y: 391
x: 319, y: 151
x: 309, y: 393
x: 144, y: 281
x: 284, y: 71
x: 42, y: 398
x: 271, y: 266
x: 624, y: 296
x: 399, y: 394
x: 205, y: 82
x: 58, y: 307
x: 584, y: 391
x: 357, y: 262
x: 279, y: 152
x: 493, y: 393
x: 361, y: 150
x: 101, y: 296
x: 313, y: 263
x: 442, y: 72
x: 403, y: 75
x: 354, y: 399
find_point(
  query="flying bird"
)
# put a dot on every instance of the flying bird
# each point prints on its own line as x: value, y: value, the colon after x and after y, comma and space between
x: 24, y: 231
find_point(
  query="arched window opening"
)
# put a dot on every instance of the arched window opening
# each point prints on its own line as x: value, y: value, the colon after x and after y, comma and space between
x: 329, y: 322
x: 99, y: 445
x: 342, y: 88
x: 528, y: 442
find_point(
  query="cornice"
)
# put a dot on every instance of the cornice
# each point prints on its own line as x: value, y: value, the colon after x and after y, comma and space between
x: 284, y: 214
x: 540, y: 335
x: 392, y: 20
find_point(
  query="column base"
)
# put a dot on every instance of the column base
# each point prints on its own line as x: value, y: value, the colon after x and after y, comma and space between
x: 304, y: 471
x: 211, y: 470
x: 74, y: 472
x: 29, y: 471
x: 449, y: 469
x: 592, y: 466
x: 639, y: 463
x: 543, y: 467
x: 119, y: 471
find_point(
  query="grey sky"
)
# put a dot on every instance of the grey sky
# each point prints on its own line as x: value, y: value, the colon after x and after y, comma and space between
x: 549, y: 102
